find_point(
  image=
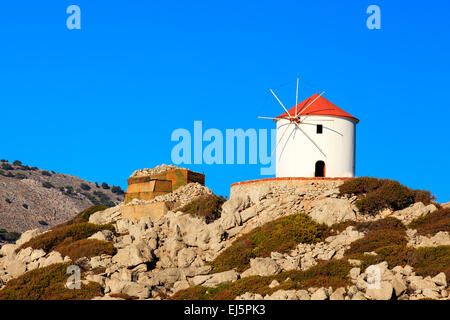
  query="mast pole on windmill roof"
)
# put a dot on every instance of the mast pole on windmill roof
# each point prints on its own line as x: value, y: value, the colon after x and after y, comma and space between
x: 296, y: 99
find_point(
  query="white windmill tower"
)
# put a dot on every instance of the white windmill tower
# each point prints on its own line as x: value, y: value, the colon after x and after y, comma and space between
x: 315, y: 138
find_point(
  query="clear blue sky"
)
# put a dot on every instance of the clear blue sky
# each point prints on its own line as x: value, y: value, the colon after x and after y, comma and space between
x: 103, y: 101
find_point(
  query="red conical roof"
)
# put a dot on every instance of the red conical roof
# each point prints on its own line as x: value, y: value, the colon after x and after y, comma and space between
x: 320, y: 107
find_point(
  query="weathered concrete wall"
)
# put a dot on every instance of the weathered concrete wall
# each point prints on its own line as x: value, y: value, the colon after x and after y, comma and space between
x: 145, y: 188
x: 154, y: 210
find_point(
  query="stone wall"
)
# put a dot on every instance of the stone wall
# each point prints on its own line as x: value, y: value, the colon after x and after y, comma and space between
x: 308, y: 187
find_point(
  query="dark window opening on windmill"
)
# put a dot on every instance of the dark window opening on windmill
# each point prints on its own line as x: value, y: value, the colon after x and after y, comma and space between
x: 319, y: 129
x: 320, y: 169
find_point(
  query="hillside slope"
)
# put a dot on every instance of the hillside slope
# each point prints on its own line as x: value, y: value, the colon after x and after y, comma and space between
x: 314, y: 241
x: 34, y: 198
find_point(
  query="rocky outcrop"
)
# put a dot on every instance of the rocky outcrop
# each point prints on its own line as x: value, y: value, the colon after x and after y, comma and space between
x: 413, y: 212
x: 377, y: 283
x: 172, y: 253
x: 330, y: 211
x: 439, y: 239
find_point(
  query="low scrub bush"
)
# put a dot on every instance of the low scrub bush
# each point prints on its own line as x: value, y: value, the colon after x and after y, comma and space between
x: 84, y: 215
x: 20, y: 176
x: 388, y: 223
x: 85, y: 186
x: 432, y: 223
x: 430, y: 261
x: 123, y: 296
x: 47, y: 185
x: 46, y: 173
x: 207, y: 206
x: 360, y: 185
x: 325, y: 274
x: 377, y: 239
x: 380, y: 233
x: 9, y: 236
x: 7, y: 166
x: 117, y: 190
x: 85, y: 248
x: 281, y: 235
x: 378, y: 194
x: 47, y: 284
x: 104, y: 199
x: 64, y: 234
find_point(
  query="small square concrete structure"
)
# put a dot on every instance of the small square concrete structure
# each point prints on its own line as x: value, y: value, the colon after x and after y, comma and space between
x: 149, y: 187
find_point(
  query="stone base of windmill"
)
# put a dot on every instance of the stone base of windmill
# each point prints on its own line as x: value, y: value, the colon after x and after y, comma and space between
x: 306, y: 187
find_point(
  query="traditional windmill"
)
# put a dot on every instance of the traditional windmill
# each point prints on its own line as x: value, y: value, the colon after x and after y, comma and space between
x: 315, y: 138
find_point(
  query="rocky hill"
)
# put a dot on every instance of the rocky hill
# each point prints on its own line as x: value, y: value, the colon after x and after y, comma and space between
x: 363, y: 239
x: 34, y: 198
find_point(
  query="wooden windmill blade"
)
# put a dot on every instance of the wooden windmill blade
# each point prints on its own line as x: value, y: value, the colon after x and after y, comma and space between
x: 281, y: 103
x: 273, y: 118
x: 304, y: 109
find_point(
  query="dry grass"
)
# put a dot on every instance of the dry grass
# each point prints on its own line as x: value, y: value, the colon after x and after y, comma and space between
x: 64, y: 234
x: 84, y: 215
x: 47, y: 284
x: 281, y: 235
x: 86, y: 248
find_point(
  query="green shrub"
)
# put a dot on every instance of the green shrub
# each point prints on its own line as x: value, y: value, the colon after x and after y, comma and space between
x: 105, y: 186
x: 65, y: 233
x: 85, y: 186
x: 104, y: 199
x: 67, y: 190
x: 281, y: 235
x: 432, y: 223
x: 46, y: 173
x: 47, y: 284
x: 117, y: 190
x: 25, y: 206
x: 9, y: 236
x: 20, y: 176
x: 17, y: 163
x: 8, y: 201
x: 47, y: 185
x: 7, y: 166
x: 86, y: 248
x: 207, y: 207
